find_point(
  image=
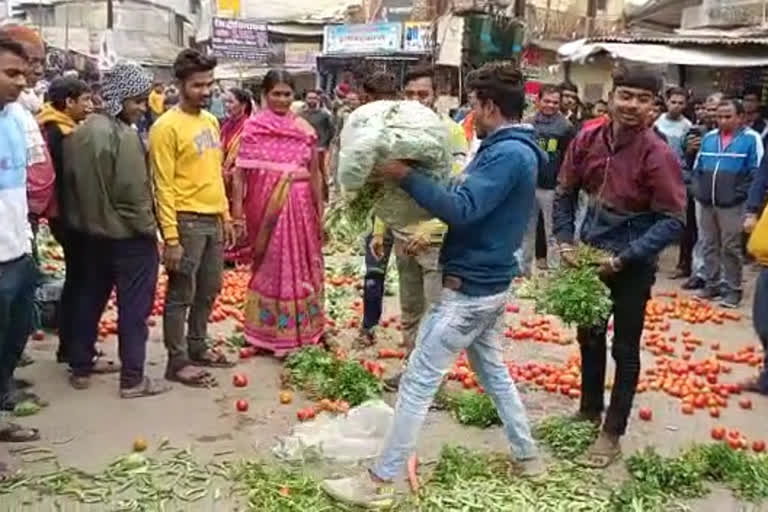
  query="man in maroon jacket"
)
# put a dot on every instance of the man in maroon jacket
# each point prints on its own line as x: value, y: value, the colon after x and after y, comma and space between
x: 636, y: 209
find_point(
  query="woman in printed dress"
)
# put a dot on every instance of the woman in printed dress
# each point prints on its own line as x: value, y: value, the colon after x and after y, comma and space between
x: 239, y: 105
x: 277, y: 196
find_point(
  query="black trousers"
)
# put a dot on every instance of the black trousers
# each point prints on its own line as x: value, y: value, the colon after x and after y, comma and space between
x: 131, y: 266
x: 630, y: 290
x: 690, y: 236
x: 541, y: 238
x: 18, y: 279
x: 373, y: 284
x: 75, y: 273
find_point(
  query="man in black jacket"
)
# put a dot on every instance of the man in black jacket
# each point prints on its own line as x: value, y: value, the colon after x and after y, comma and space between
x: 553, y: 133
x: 69, y: 104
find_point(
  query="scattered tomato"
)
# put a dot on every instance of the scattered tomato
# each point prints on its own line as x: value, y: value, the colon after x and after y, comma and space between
x: 139, y: 444
x: 239, y: 380
x: 718, y: 433
x: 758, y: 446
x: 286, y: 397
x: 745, y: 403
x: 241, y: 405
x: 645, y: 414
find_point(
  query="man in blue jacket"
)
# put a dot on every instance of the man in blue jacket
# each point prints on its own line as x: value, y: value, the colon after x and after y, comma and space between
x: 722, y: 174
x: 487, y: 215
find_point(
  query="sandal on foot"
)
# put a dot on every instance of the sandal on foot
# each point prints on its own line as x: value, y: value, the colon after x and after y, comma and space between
x: 752, y: 386
x: 19, y: 383
x: 13, y: 433
x: 601, y: 454
x: 147, y: 387
x: 202, y: 380
x: 212, y: 359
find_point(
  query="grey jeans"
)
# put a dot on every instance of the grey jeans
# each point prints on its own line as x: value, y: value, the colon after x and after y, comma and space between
x: 455, y: 323
x: 544, y: 201
x: 720, y: 231
x: 192, y: 289
x: 420, y: 283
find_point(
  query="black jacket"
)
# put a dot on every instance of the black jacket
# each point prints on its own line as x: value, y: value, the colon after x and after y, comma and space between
x: 553, y: 134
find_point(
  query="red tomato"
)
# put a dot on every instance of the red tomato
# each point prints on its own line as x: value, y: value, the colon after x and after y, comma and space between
x: 239, y: 380
x: 246, y: 352
x: 718, y: 433
x: 745, y: 403
x: 241, y: 405
x: 758, y: 446
x: 645, y: 414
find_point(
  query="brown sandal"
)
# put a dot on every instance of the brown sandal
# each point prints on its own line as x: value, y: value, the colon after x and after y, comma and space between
x: 80, y: 383
x: 212, y: 359
x: 202, y: 379
x: 14, y: 433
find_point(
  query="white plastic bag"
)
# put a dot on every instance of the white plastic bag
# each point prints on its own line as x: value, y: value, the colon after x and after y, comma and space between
x: 356, y: 436
x: 393, y: 130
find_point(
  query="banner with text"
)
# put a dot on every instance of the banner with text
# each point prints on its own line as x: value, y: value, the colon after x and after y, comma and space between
x: 371, y: 38
x: 418, y: 37
x: 240, y: 39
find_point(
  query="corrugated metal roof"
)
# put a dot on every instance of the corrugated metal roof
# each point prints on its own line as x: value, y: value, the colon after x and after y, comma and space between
x: 296, y: 10
x: 699, y: 37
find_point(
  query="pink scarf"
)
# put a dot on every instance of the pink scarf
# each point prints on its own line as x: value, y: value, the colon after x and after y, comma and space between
x: 276, y: 142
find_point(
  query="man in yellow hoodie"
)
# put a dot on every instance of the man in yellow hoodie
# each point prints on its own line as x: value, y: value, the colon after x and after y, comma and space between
x: 69, y: 104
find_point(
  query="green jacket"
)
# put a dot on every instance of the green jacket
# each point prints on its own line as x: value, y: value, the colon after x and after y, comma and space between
x: 106, y: 181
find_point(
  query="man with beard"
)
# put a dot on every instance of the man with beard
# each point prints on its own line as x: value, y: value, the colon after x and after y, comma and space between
x: 193, y: 213
x: 553, y: 133
x: 633, y: 225
x: 487, y: 213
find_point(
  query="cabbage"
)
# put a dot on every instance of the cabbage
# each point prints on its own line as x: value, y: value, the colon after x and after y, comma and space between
x: 391, y: 130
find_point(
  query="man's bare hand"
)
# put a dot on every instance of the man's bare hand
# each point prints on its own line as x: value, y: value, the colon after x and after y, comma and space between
x: 567, y: 255
x: 391, y: 170
x: 172, y: 255
x: 377, y: 246
x: 230, y: 235
x: 750, y: 221
x: 609, y: 266
x: 417, y: 243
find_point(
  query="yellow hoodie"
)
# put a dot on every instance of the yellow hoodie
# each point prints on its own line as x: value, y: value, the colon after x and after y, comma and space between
x: 48, y: 114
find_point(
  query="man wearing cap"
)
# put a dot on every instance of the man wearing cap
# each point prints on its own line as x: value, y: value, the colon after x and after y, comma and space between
x: 107, y: 187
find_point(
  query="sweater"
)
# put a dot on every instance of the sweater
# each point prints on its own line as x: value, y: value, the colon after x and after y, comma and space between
x: 636, y: 193
x: 106, y: 181
x: 486, y: 210
x: 722, y: 175
x: 186, y: 156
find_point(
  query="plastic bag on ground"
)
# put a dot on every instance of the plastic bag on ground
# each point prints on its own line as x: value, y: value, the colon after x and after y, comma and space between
x: 356, y: 436
x: 392, y: 130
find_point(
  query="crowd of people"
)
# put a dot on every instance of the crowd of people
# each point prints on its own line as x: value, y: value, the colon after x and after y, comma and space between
x: 133, y: 173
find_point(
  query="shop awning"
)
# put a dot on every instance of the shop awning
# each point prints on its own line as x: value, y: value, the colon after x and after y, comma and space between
x: 705, y: 55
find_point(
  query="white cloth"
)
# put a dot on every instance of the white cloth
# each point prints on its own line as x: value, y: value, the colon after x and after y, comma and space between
x: 16, y: 233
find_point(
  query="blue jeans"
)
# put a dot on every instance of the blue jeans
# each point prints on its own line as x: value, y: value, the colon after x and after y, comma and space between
x: 456, y: 322
x: 760, y: 322
x: 18, y: 279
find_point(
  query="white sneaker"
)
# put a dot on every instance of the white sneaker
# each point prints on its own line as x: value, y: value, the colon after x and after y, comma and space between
x: 532, y: 468
x: 360, y: 490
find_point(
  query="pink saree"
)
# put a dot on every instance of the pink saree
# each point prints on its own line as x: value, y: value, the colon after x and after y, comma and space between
x: 284, y: 310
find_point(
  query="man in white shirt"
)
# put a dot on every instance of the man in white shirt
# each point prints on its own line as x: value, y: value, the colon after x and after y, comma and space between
x: 18, y: 273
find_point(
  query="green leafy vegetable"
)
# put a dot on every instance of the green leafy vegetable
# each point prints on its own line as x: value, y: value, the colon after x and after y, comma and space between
x: 565, y: 437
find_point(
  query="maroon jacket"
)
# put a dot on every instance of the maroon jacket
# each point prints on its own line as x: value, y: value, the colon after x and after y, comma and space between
x: 635, y: 188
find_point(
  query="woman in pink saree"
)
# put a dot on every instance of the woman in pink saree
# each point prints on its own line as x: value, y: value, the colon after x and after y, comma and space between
x: 239, y: 104
x: 278, y: 196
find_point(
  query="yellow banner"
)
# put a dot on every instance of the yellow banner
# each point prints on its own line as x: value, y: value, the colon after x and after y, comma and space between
x: 229, y: 7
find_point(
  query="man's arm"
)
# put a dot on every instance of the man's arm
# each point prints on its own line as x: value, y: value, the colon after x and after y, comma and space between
x: 668, y: 202
x: 162, y: 154
x: 567, y: 195
x: 753, y: 162
x: 467, y: 202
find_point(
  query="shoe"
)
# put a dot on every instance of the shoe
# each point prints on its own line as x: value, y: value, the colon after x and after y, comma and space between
x: 392, y: 384
x: 709, y: 293
x: 731, y: 300
x: 360, y: 490
x: 693, y: 283
x: 681, y: 273
x: 531, y: 468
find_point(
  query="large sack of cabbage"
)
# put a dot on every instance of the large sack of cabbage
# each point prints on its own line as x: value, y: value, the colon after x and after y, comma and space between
x: 390, y: 130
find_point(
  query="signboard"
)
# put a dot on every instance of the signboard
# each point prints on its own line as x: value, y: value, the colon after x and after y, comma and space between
x: 372, y: 38
x: 301, y: 54
x: 228, y: 7
x: 239, y: 39
x: 418, y: 37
